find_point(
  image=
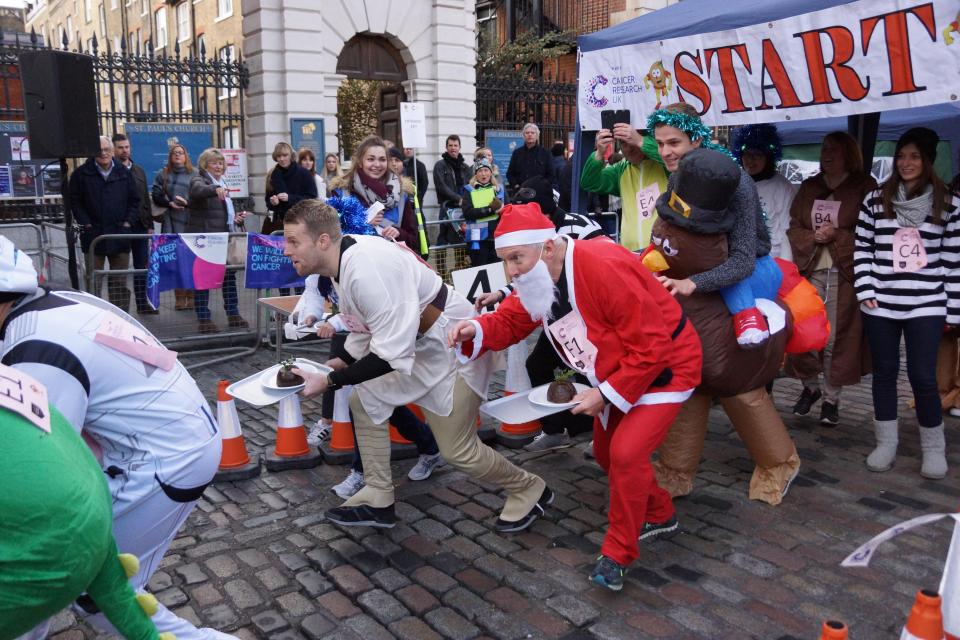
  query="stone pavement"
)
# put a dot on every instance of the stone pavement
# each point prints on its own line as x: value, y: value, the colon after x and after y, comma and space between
x: 256, y: 558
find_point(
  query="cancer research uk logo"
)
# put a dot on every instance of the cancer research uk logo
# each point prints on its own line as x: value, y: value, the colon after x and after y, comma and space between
x: 619, y: 86
x: 595, y: 101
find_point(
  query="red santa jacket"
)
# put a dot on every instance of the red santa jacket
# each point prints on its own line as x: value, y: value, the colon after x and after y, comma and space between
x: 630, y: 318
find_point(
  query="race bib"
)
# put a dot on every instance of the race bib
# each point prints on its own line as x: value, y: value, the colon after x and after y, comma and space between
x: 824, y: 212
x: 25, y: 397
x: 908, y: 252
x: 647, y: 201
x: 353, y: 323
x: 570, y: 332
x: 477, y: 231
x: 120, y: 335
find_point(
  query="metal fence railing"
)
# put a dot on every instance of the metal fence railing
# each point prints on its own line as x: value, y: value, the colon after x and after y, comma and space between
x: 27, y: 237
x: 56, y: 259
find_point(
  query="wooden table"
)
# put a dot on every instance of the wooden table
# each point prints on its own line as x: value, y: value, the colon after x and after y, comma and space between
x: 282, y: 307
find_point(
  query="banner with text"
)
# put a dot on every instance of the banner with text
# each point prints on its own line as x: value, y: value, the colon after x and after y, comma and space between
x: 267, y: 267
x: 865, y: 56
x: 185, y: 261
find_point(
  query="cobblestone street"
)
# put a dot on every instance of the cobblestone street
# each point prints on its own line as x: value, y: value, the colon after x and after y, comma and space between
x: 257, y: 559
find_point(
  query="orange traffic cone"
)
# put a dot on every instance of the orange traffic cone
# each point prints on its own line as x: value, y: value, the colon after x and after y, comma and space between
x: 926, y: 620
x: 400, y: 447
x: 833, y: 630
x: 517, y: 381
x: 235, y: 462
x: 292, y: 450
x: 339, y: 448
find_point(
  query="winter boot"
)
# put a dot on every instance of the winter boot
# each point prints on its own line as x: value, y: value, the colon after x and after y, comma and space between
x: 934, y: 452
x: 881, y: 459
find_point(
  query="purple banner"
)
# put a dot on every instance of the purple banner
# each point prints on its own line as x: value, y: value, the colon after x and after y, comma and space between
x: 185, y: 261
x: 267, y: 267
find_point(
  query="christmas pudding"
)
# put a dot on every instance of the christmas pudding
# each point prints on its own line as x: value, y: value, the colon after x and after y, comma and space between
x: 286, y: 377
x: 561, y: 390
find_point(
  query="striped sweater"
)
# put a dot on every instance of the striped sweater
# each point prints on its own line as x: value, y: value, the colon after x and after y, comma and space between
x: 930, y: 291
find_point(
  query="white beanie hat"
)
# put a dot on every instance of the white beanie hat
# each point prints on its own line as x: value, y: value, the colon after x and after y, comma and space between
x: 17, y: 274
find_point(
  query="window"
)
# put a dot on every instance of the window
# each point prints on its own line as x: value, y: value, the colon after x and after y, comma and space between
x: 224, y: 9
x: 89, y: 45
x: 103, y: 22
x: 163, y: 99
x: 137, y: 102
x: 161, y: 30
x: 116, y: 43
x: 61, y: 33
x: 87, y: 10
x: 183, y: 21
x: 144, y: 7
x: 201, y: 46
x: 186, y: 98
x: 69, y: 29
x: 231, y: 138
x: 227, y: 53
x: 486, y: 29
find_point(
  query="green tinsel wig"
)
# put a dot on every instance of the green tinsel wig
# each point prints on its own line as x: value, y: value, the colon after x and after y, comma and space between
x: 690, y: 125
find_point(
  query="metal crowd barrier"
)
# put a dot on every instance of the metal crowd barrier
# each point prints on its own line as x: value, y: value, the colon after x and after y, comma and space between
x: 55, y: 251
x: 27, y: 237
x: 179, y: 329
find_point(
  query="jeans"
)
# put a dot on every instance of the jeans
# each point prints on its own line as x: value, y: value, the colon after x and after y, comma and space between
x: 922, y: 336
x: 201, y: 298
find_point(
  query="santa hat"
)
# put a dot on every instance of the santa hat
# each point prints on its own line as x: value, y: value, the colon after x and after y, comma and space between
x: 522, y: 224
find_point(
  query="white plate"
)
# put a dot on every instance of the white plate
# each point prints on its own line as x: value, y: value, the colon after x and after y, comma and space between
x: 539, y: 396
x: 269, y: 377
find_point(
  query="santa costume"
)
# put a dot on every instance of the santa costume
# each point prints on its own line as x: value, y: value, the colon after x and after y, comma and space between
x: 614, y: 322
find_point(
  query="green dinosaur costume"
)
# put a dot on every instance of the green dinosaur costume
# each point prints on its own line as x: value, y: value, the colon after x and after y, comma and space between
x: 55, y: 534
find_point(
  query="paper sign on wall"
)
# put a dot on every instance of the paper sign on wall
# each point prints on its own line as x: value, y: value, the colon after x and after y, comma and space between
x: 413, y: 125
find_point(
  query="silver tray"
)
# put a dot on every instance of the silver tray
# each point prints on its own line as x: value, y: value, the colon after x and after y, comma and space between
x: 517, y: 408
x: 252, y: 392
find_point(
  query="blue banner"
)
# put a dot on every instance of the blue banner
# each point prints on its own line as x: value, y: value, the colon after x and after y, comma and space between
x: 150, y: 142
x: 267, y: 267
x: 185, y: 261
x: 307, y: 133
x: 502, y: 144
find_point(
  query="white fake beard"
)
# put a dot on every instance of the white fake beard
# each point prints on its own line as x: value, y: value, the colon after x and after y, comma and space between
x: 537, y: 291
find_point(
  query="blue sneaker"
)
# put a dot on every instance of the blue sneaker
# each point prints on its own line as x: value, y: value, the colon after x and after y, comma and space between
x: 608, y: 574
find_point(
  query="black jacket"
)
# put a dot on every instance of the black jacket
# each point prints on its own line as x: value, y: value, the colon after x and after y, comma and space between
x: 143, y: 190
x: 296, y: 182
x: 104, y: 206
x: 449, y: 177
x: 527, y: 162
x: 423, y: 181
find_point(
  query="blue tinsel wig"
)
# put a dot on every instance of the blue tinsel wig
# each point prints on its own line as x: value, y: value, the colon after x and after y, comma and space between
x: 690, y: 125
x: 761, y: 137
x: 353, y: 216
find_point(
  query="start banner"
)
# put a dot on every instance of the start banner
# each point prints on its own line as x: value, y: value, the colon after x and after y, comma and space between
x: 865, y: 56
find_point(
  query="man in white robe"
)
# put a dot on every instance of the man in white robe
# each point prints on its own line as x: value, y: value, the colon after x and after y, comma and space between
x: 398, y: 310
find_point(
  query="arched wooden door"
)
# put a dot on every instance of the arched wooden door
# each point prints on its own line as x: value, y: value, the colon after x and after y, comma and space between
x: 369, y: 57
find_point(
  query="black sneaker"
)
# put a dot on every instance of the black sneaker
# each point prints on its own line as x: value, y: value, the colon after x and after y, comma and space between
x: 654, y: 529
x: 546, y: 498
x: 363, y: 516
x: 805, y: 403
x: 607, y: 574
x: 829, y: 414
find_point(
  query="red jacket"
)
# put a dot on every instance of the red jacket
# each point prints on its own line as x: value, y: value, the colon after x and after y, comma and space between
x: 630, y: 318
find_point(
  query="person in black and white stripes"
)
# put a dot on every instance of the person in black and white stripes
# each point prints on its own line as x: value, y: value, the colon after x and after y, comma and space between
x: 907, y: 266
x: 557, y: 428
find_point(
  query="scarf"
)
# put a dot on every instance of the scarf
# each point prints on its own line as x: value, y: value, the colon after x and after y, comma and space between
x: 372, y: 190
x: 457, y: 165
x: 912, y: 212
